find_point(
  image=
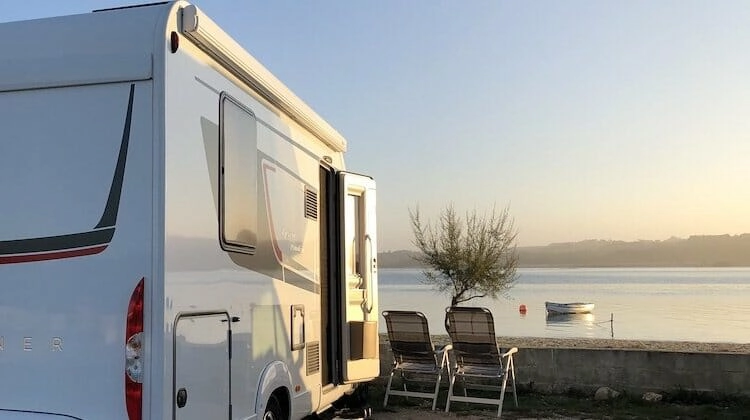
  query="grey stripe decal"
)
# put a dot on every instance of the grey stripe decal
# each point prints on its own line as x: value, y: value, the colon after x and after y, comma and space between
x: 109, y: 217
x: 57, y: 243
x: 4, y: 410
x: 104, y: 230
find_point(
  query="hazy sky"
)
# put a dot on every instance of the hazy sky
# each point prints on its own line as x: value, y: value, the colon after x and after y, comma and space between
x: 591, y: 120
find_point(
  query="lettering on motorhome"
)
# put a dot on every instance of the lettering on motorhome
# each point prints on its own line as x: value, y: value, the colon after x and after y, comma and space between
x: 27, y: 343
x: 295, y: 246
x: 56, y: 344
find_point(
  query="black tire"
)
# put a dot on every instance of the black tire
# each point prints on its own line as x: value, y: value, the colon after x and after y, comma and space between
x: 273, y: 409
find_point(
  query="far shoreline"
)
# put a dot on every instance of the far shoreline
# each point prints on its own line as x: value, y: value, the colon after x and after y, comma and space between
x: 705, y: 251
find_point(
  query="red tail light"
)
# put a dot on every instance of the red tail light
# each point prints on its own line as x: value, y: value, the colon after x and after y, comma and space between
x: 134, y: 354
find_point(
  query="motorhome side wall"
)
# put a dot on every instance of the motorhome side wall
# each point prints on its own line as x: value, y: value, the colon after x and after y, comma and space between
x: 111, y: 168
x: 76, y: 214
x: 262, y: 294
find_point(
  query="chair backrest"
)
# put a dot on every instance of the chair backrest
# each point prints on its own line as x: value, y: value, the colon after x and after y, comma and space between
x: 472, y: 333
x: 410, y: 337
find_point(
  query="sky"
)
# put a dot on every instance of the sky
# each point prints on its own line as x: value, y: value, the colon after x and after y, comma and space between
x: 587, y: 119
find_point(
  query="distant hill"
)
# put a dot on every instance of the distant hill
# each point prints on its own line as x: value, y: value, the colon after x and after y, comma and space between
x: 398, y: 259
x: 695, y: 251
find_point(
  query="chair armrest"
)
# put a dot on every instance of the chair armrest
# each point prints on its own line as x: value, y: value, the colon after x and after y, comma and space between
x: 510, y: 352
x: 442, y: 349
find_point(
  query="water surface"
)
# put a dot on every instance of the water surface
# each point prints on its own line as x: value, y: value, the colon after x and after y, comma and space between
x: 672, y: 304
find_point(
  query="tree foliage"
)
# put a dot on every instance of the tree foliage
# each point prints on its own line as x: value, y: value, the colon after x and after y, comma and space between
x: 469, y: 258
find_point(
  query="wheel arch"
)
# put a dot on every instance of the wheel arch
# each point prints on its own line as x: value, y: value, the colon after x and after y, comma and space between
x: 275, y: 379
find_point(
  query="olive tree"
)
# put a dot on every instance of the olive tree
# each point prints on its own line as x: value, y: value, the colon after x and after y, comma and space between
x: 470, y: 257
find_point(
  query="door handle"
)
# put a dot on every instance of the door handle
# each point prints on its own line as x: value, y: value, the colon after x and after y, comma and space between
x: 367, y: 305
x: 181, y: 397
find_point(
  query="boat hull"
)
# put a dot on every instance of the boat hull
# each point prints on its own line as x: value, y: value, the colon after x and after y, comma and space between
x: 569, y: 308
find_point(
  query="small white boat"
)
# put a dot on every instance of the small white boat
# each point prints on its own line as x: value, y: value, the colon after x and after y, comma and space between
x: 569, y: 308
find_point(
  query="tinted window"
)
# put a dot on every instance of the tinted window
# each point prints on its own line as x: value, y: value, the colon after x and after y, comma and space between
x: 239, y: 205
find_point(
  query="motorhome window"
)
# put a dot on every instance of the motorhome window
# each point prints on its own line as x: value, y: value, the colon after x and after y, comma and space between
x: 353, y: 234
x: 239, y: 155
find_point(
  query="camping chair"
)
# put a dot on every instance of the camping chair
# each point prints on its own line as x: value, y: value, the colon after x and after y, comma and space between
x: 413, y: 352
x: 472, y: 333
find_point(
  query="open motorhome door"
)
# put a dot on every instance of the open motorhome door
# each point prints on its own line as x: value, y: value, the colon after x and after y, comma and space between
x: 359, y: 328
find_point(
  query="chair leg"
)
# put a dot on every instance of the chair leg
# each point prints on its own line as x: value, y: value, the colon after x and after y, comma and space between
x: 450, y: 392
x: 444, y: 364
x: 388, y: 389
x: 513, y: 378
x: 437, y: 388
x: 509, y: 370
x: 502, y: 395
x: 403, y: 383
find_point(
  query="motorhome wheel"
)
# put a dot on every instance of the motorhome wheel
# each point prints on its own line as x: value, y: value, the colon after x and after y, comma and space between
x: 273, y: 409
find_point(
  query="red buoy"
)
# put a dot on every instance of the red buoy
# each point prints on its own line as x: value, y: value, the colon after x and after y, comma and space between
x: 522, y: 309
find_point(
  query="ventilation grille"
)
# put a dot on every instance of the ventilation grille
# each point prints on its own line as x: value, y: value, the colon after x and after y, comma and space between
x: 313, y: 358
x: 311, y: 204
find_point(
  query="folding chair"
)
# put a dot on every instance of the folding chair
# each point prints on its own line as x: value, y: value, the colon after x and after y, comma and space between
x: 472, y: 333
x: 413, y: 352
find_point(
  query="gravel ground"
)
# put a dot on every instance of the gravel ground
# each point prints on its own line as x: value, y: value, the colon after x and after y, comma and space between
x: 417, y: 414
x: 414, y: 414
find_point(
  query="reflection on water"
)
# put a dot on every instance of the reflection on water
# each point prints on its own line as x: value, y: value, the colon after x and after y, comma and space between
x: 584, y: 319
x: 584, y: 324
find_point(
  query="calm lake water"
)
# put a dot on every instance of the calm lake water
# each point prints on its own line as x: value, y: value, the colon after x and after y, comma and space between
x: 668, y: 304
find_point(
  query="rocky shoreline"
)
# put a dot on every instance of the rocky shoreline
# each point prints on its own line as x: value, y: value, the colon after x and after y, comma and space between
x: 613, y: 344
x: 610, y: 344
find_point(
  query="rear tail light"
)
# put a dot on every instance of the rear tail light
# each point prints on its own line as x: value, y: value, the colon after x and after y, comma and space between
x: 134, y: 354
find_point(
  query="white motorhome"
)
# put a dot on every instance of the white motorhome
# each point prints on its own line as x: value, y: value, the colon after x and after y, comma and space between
x: 179, y: 238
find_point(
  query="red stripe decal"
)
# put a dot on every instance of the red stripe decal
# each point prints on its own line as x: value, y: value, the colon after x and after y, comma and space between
x: 58, y: 255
